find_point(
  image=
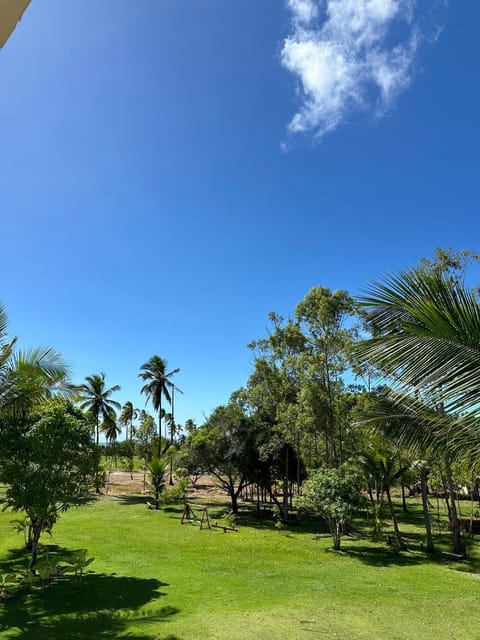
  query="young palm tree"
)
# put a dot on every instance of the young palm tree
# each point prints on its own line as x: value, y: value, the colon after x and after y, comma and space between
x: 157, y: 386
x: 95, y: 397
x: 156, y: 474
x: 380, y: 472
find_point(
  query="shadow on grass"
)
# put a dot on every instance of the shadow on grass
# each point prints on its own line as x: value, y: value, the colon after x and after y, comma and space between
x: 381, y: 557
x: 103, y: 607
x: 131, y: 499
x: 312, y: 525
x: 376, y: 556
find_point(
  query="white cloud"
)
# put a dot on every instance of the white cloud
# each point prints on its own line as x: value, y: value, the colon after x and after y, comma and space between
x: 304, y: 11
x: 349, y: 55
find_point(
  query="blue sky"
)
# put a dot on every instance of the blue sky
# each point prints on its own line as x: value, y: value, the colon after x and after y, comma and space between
x: 172, y: 171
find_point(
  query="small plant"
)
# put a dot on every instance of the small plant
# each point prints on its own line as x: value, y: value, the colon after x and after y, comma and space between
x: 77, y: 563
x: 156, y: 476
x: 175, y: 493
x: 46, y: 570
x: 8, y: 581
x: 129, y: 463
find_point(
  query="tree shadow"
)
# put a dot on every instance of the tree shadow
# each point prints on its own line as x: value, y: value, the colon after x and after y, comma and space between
x: 18, y: 559
x: 131, y: 499
x: 173, y: 508
x: 88, y: 498
x: 99, y: 625
x: 103, y: 607
x: 381, y: 557
x: 312, y: 525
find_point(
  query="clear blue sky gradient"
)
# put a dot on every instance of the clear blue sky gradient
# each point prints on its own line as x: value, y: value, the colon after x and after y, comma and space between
x: 147, y: 206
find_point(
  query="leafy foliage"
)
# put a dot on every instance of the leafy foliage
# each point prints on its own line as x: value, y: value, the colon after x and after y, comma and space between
x: 47, y: 462
x: 157, y: 386
x: 156, y: 479
x: 335, y: 494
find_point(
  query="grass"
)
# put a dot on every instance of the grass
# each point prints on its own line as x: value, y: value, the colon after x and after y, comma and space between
x: 155, y: 579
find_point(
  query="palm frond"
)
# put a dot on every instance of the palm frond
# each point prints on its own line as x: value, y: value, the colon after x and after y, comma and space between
x: 426, y: 337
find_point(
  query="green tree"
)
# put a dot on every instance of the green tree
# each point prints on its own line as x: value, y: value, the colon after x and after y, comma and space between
x: 157, y: 386
x: 380, y: 468
x: 48, y: 462
x: 335, y: 494
x: 273, y: 390
x: 225, y: 444
x: 323, y: 316
x: 95, y: 398
x: 126, y: 418
x: 111, y: 431
x: 145, y: 438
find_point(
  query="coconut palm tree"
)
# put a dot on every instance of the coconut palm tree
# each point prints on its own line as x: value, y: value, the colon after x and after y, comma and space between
x: 157, y: 386
x: 28, y: 376
x: 95, y: 398
x: 398, y: 418
x: 381, y: 473
x: 127, y: 416
x: 426, y: 338
x: 111, y: 430
x: 426, y: 329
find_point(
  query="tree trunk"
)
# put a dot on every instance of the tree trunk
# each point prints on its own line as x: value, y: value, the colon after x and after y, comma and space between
x: 160, y: 427
x: 401, y: 544
x: 336, y: 530
x: 404, y: 500
x: 97, y: 442
x: 233, y: 498
x: 36, y: 533
x: 458, y: 546
x: 285, y: 488
x: 426, y: 512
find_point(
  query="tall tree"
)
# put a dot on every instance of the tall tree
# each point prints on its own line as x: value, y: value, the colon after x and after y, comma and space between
x: 426, y: 328
x: 95, y: 398
x: 157, y: 386
x: 225, y: 445
x: 111, y: 430
x: 127, y: 416
x: 323, y: 316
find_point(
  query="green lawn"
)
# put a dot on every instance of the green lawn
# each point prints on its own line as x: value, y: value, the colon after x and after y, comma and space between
x: 155, y: 579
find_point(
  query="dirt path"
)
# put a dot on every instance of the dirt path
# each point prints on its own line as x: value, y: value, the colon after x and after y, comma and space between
x: 121, y: 483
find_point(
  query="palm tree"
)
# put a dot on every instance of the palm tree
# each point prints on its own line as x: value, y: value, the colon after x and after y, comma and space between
x: 380, y: 473
x: 95, y: 397
x: 157, y: 385
x: 127, y: 416
x: 422, y: 430
x: 426, y: 328
x: 156, y: 473
x: 111, y: 430
x: 28, y: 375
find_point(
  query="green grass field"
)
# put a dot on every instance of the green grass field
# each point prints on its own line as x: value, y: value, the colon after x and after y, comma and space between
x: 155, y: 579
